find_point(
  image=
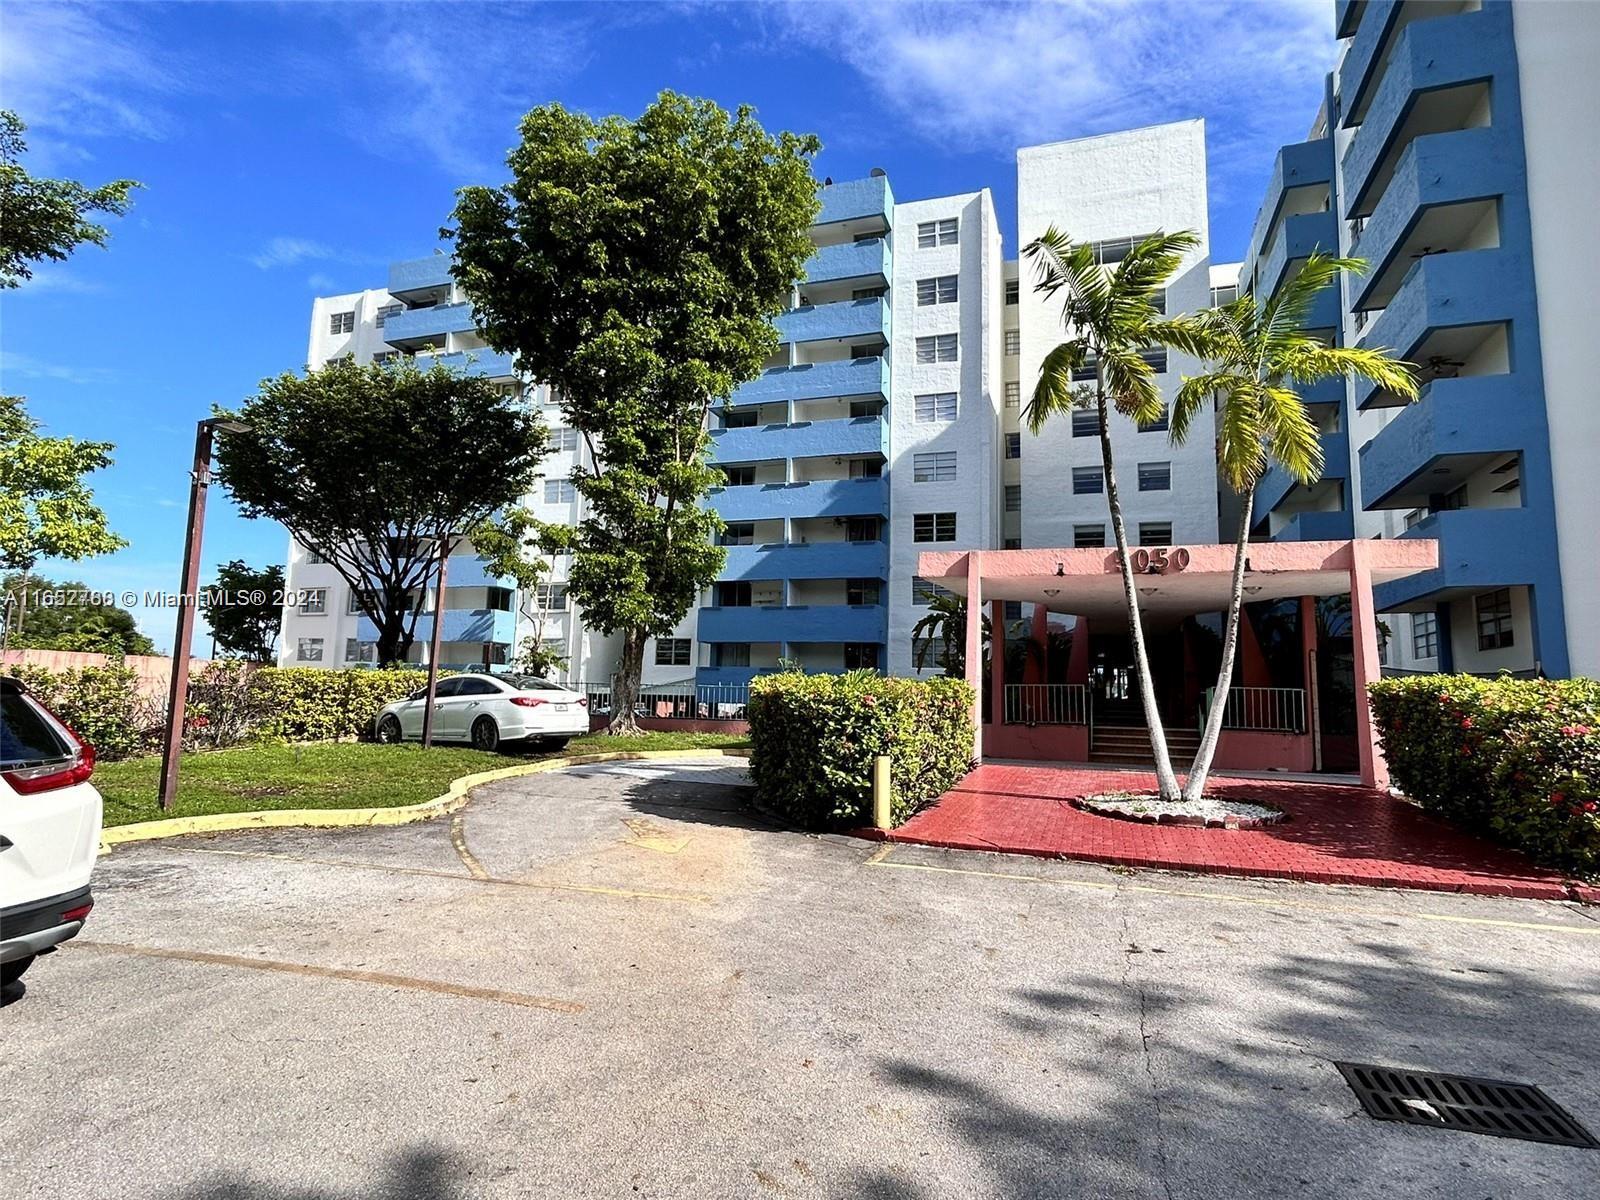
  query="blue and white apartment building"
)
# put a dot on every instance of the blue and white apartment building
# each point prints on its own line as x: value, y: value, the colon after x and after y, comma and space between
x: 1455, y: 150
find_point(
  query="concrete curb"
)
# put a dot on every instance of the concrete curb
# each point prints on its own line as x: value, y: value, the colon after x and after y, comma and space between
x: 344, y: 818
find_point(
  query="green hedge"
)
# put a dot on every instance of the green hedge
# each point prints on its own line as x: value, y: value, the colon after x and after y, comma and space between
x: 813, y: 739
x: 1515, y: 759
x: 102, y: 705
x: 309, y: 704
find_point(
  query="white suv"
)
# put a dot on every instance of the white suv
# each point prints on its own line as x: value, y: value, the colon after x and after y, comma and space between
x: 486, y: 710
x: 49, y: 830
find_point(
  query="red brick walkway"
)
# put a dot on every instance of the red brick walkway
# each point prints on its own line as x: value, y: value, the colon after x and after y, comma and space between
x: 1334, y: 834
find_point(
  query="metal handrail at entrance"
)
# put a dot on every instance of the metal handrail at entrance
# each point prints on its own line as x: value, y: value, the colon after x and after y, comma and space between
x: 1262, y: 709
x: 1046, y: 704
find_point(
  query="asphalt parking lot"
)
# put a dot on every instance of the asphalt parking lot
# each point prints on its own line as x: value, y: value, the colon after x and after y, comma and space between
x: 612, y: 981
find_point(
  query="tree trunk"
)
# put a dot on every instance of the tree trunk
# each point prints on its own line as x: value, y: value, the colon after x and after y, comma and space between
x: 1166, y: 780
x: 1194, y: 787
x: 625, y: 686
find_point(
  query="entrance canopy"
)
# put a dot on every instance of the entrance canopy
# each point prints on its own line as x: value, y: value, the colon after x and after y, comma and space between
x: 1174, y: 581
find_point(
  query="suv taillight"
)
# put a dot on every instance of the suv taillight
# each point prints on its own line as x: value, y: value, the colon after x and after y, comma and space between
x: 77, y: 768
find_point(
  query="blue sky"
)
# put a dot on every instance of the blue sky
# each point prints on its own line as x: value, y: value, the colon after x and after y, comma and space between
x: 295, y: 149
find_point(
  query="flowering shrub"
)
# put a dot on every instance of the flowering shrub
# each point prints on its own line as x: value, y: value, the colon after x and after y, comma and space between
x: 1515, y: 759
x: 813, y: 739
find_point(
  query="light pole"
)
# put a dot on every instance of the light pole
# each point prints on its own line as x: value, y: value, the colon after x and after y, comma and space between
x: 189, y: 599
x: 434, y: 640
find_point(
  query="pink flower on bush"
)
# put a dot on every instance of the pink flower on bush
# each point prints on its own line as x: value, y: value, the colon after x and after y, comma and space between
x: 1574, y: 730
x: 1558, y: 797
x: 1466, y: 722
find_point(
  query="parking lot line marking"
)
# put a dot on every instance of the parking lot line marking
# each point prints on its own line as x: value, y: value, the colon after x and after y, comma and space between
x: 490, y: 880
x: 1226, y: 897
x: 467, y: 991
x: 458, y: 839
x: 878, y: 855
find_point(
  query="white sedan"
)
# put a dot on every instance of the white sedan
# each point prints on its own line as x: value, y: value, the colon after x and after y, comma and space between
x: 49, y: 830
x: 485, y: 710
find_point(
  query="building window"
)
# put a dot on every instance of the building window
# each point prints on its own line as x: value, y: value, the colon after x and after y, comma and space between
x: 1494, y: 620
x: 938, y: 233
x: 344, y: 322
x: 355, y: 650
x: 308, y: 649
x: 862, y: 529
x: 941, y: 289
x: 551, y: 597
x: 1013, y: 610
x: 313, y: 559
x: 1011, y: 543
x: 1013, y: 341
x: 860, y: 656
x: 939, y: 467
x: 385, y: 357
x: 1013, y: 291
x: 939, y: 348
x: 933, y: 527
x: 1013, y: 445
x: 925, y: 591
x: 1226, y: 294
x: 866, y: 468
x: 1415, y: 517
x: 1014, y: 497
x: 936, y: 406
x: 1159, y: 425
x: 1156, y: 357
x: 1114, y: 250
x: 863, y: 591
x: 747, y: 418
x: 1013, y: 394
x: 672, y: 652
x: 313, y: 601
x: 1155, y: 533
x: 1085, y: 422
x: 1425, y: 635
x: 1088, y: 481
x: 564, y: 439
x: 738, y: 476
x: 738, y: 533
x: 1158, y: 300
x: 360, y: 601
x: 1088, y: 371
x: 925, y: 651
x: 1086, y: 537
x: 736, y: 594
x: 559, y: 491
x: 1155, y: 477
x: 730, y: 654
x: 385, y: 312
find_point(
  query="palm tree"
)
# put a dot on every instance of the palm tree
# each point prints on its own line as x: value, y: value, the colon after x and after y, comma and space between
x: 945, y: 625
x: 1259, y: 355
x: 1110, y: 319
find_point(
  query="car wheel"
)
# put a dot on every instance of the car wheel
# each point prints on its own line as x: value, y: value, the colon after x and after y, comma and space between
x: 555, y: 743
x: 12, y: 971
x: 389, y: 730
x: 485, y: 734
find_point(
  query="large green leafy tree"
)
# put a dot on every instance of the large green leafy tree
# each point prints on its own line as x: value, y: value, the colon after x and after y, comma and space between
x: 1109, y: 317
x: 373, y: 467
x: 245, y: 609
x: 636, y: 266
x: 45, y: 218
x: 512, y: 544
x: 1261, y: 356
x: 59, y: 619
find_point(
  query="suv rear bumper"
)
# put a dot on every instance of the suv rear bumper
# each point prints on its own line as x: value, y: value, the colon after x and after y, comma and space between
x: 38, y: 925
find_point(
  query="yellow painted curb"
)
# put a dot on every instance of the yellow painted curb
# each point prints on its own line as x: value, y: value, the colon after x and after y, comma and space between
x: 341, y: 818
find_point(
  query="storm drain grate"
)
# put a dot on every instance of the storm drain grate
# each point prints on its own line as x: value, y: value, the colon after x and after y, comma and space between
x: 1492, y: 1106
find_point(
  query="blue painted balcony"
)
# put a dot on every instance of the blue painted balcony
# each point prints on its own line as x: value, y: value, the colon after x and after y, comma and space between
x: 868, y: 200
x: 808, y: 560
x: 1430, y: 53
x: 1473, y: 287
x: 468, y: 570
x: 1355, y: 71
x: 866, y: 263
x: 1479, y: 548
x: 1474, y: 417
x: 420, y: 278
x: 844, y: 319
x: 1277, y: 484
x: 849, y: 378
x: 820, y: 498
x: 460, y: 625
x: 1347, y: 16
x: 1435, y: 169
x: 794, y: 623
x: 419, y: 327
x: 1317, y: 527
x: 472, y: 362
x: 1297, y: 165
x: 802, y: 439
x: 1324, y: 391
x: 1301, y: 236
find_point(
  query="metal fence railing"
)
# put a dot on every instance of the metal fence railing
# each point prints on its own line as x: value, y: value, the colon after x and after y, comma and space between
x: 1046, y: 704
x: 1264, y: 709
x: 686, y: 702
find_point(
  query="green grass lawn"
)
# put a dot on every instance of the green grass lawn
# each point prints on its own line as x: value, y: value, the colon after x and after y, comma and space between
x: 331, y: 774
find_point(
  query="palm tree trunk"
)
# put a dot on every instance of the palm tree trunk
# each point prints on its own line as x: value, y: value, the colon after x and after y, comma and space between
x: 1166, y: 780
x: 1194, y: 787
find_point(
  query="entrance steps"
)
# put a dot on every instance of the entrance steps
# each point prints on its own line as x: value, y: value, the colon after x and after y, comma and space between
x: 1129, y: 745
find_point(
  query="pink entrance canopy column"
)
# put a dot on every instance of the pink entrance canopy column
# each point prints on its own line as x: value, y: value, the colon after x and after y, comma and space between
x: 1180, y: 581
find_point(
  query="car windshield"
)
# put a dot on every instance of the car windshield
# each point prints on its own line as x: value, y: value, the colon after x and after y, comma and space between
x: 26, y: 736
x: 533, y: 683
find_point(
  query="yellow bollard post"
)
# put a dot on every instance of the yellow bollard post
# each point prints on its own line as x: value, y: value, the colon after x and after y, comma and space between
x: 882, y: 793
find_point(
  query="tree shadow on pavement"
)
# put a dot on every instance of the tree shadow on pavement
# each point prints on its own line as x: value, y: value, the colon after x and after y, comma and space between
x: 1181, y: 1081
x: 422, y: 1173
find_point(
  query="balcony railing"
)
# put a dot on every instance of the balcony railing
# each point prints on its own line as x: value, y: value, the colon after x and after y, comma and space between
x: 1260, y: 709
x: 1046, y: 704
x: 677, y: 702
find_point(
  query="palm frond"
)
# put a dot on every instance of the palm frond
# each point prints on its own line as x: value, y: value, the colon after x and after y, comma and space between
x: 1055, y: 392
x: 1194, y: 394
x: 1131, y: 383
x: 1291, y: 436
x: 1241, y: 454
x: 1064, y: 265
x: 1352, y: 362
x: 1286, y: 312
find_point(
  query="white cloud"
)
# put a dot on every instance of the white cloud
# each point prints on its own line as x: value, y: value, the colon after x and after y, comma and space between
x: 287, y: 251
x: 49, y: 279
x: 14, y: 364
x: 318, y: 282
x: 992, y: 77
